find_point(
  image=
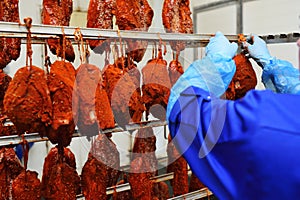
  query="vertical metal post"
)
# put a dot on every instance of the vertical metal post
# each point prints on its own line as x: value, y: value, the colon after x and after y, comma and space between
x: 239, y: 17
x: 195, y: 23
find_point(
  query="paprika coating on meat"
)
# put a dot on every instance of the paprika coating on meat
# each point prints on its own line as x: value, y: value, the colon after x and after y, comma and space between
x: 27, y: 101
x: 175, y: 71
x: 156, y: 87
x: 134, y: 15
x: 60, y: 179
x: 10, y: 168
x: 243, y: 80
x: 100, y: 15
x: 61, y: 80
x: 122, y: 83
x: 58, y: 13
x: 176, y: 17
x: 92, y: 109
x: 26, y: 186
x: 10, y: 48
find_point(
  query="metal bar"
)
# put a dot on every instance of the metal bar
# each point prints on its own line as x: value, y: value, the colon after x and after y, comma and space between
x: 136, y: 126
x: 239, y: 17
x: 216, y: 5
x: 205, y: 192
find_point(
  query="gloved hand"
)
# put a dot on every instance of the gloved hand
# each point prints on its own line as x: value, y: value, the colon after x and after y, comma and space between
x: 219, y: 46
x: 258, y: 50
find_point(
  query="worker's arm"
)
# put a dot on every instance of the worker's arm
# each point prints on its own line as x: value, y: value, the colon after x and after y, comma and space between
x: 213, y: 73
x: 278, y: 75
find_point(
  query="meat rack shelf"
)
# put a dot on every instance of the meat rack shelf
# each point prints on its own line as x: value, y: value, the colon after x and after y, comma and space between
x: 35, y: 137
x: 42, y: 32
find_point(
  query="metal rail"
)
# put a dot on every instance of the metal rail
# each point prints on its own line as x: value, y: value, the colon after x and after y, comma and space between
x: 35, y: 137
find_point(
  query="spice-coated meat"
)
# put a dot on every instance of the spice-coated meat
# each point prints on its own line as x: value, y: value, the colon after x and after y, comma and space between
x: 195, y: 183
x: 9, y: 47
x: 93, y: 179
x: 176, y: 17
x: 27, y: 101
x: 26, y: 186
x: 58, y: 12
x: 10, y: 168
x: 143, y: 165
x: 61, y: 80
x: 175, y: 71
x: 92, y: 109
x: 156, y: 87
x: 122, y: 83
x: 178, y: 165
x: 60, y: 179
x: 243, y: 80
x: 134, y: 15
x: 126, y: 195
x: 100, y: 15
x: 161, y: 191
x: 102, y: 168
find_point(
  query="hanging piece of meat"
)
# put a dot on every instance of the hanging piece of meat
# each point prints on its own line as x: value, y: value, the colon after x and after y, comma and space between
x: 126, y: 195
x: 156, y: 87
x: 243, y: 80
x: 9, y: 47
x: 176, y: 17
x: 61, y: 80
x: 134, y: 15
x: 27, y: 101
x: 58, y: 12
x: 92, y: 109
x: 60, y: 179
x: 26, y: 186
x: 175, y: 71
x: 102, y: 168
x: 10, y: 168
x: 195, y: 183
x: 122, y: 83
x: 177, y: 165
x: 144, y: 166
x: 100, y: 15
x: 5, y: 129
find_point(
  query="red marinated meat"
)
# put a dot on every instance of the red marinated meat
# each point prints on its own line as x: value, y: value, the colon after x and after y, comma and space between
x: 9, y: 47
x: 156, y: 87
x: 100, y: 15
x: 122, y: 83
x: 58, y: 12
x: 92, y: 109
x: 134, y: 15
x: 61, y: 80
x: 10, y: 168
x: 175, y: 71
x: 60, y: 179
x: 26, y: 186
x: 176, y: 17
x: 27, y: 101
x: 243, y: 80
x: 195, y: 183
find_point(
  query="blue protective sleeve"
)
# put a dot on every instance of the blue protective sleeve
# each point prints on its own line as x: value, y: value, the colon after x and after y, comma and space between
x: 212, y: 74
x: 280, y: 76
x: 245, y: 149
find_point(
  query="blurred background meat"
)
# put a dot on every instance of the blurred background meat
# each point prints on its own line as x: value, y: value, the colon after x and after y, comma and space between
x: 27, y: 101
x: 61, y: 80
x: 134, y: 15
x: 175, y: 70
x: 176, y: 17
x: 100, y: 15
x: 58, y: 12
x: 9, y: 47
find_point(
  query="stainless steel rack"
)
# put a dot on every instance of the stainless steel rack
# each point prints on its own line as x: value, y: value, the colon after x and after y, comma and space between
x: 41, y: 32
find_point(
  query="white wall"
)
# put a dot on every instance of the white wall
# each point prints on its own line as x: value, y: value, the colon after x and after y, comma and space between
x: 261, y: 17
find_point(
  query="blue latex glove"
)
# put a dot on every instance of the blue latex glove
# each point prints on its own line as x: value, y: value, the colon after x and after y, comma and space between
x: 213, y: 73
x: 258, y: 50
x: 220, y: 47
